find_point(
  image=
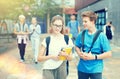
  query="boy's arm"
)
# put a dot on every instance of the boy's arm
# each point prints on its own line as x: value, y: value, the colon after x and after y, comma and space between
x: 78, y: 29
x: 104, y: 55
x: 78, y: 51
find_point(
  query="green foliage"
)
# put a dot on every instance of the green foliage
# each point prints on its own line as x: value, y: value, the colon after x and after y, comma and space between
x: 45, y: 7
x: 12, y: 8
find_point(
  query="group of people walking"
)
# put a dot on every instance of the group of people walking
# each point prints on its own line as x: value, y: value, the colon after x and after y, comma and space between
x: 90, y: 64
x: 22, y: 31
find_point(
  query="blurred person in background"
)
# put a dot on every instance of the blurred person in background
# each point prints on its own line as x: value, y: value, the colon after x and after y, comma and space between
x: 35, y: 31
x: 73, y: 27
x: 108, y: 29
x: 22, y: 31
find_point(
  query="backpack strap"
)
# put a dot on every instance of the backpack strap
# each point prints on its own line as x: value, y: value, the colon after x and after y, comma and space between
x: 20, y: 27
x: 83, y: 37
x: 66, y: 38
x: 94, y: 39
x: 36, y: 26
x: 47, y: 43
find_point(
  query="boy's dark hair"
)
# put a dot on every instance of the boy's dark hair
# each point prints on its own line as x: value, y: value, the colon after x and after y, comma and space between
x: 110, y: 22
x: 73, y: 15
x: 90, y: 14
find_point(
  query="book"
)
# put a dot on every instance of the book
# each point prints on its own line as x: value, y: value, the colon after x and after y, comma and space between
x: 67, y: 50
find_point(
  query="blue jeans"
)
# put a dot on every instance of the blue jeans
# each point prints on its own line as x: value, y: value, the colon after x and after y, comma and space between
x: 82, y: 75
x: 22, y: 47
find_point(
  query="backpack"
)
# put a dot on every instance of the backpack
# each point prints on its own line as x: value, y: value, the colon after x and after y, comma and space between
x: 76, y: 26
x: 108, y: 32
x: 66, y: 38
x: 94, y: 39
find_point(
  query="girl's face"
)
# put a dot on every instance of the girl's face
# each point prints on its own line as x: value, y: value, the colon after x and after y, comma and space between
x: 57, y: 26
x: 87, y: 23
x: 34, y: 21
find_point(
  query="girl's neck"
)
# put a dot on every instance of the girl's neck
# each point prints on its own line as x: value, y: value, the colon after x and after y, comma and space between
x: 56, y: 35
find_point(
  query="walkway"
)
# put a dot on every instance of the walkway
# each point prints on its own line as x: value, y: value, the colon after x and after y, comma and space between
x: 11, y: 68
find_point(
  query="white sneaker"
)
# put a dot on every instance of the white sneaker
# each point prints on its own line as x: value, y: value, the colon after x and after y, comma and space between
x: 22, y: 60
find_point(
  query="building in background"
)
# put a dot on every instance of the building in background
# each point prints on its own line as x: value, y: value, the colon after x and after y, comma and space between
x: 107, y: 10
x: 68, y: 9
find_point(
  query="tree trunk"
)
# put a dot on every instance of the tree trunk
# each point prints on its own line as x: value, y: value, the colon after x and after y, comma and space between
x: 48, y: 22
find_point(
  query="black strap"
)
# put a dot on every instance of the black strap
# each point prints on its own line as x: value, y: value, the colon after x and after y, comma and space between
x: 34, y: 30
x: 22, y: 27
x: 94, y: 39
x: 66, y: 38
x: 47, y: 43
x: 83, y: 37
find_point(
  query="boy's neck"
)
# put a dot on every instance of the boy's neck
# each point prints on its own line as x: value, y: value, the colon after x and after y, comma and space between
x: 92, y: 30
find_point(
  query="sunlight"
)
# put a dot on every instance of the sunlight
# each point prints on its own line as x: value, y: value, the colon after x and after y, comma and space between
x: 11, y: 65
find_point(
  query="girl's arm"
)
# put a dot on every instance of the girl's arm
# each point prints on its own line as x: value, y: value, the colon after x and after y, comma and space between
x: 43, y: 57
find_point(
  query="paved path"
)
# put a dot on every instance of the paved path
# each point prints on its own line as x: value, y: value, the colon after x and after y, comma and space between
x: 11, y: 68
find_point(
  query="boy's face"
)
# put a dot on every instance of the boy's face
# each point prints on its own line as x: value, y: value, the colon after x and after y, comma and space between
x: 87, y: 23
x: 22, y: 19
x: 72, y: 17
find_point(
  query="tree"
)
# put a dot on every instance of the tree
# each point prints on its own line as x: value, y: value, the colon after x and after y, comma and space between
x: 12, y: 8
x: 49, y: 7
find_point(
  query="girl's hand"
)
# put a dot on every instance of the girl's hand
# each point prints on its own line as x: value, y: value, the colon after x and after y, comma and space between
x: 63, y: 53
x: 67, y: 56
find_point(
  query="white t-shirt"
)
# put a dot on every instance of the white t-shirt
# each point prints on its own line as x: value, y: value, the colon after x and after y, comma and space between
x: 56, y: 44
